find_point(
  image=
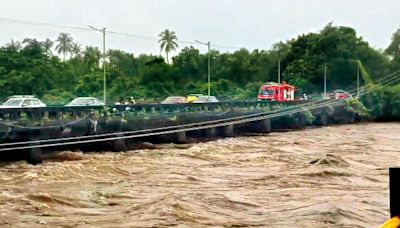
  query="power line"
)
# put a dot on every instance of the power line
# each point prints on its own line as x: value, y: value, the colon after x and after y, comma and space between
x: 131, y: 35
x: 41, y: 24
x: 147, y: 37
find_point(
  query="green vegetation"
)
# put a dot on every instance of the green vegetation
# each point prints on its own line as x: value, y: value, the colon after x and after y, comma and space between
x: 168, y: 42
x: 384, y: 103
x: 31, y: 67
x: 356, y: 106
x: 64, y: 45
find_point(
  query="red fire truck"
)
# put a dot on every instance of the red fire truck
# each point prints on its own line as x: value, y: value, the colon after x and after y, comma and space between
x: 276, y: 92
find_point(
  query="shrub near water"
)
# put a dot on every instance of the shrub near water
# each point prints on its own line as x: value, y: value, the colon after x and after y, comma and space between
x: 356, y: 106
x: 384, y: 104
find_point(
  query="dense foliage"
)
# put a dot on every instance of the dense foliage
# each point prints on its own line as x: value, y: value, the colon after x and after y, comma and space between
x: 31, y: 67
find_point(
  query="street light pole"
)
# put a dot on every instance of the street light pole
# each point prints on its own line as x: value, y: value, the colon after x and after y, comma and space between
x: 208, y: 44
x: 104, y: 63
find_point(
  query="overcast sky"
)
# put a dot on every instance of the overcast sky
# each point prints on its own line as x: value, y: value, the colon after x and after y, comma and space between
x: 239, y: 23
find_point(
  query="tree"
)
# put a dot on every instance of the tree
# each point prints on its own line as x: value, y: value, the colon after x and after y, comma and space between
x: 236, y: 74
x: 394, y: 47
x: 76, y: 50
x: 47, y: 44
x: 340, y: 48
x: 14, y: 45
x: 189, y: 65
x: 168, y: 42
x: 125, y: 63
x: 32, y: 48
x: 157, y: 78
x: 64, y: 45
x: 92, y: 57
x: 394, y: 50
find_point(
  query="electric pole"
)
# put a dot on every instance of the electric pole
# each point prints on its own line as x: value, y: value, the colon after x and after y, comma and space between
x: 279, y: 70
x: 209, y: 69
x: 208, y: 44
x: 325, y: 80
x: 358, y: 79
x: 104, y: 64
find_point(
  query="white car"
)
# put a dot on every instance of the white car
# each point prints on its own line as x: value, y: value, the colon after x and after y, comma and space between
x: 174, y: 100
x: 85, y: 101
x: 22, y: 102
x: 206, y: 99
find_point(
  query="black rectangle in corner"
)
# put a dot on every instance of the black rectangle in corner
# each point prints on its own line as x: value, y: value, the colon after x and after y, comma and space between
x: 394, y: 187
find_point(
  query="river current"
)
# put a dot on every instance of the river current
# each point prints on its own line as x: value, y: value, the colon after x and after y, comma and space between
x: 334, y: 176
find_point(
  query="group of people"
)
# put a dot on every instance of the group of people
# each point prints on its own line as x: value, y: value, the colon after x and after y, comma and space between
x: 129, y: 101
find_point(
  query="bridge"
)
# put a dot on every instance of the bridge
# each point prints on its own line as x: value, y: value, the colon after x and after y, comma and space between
x: 26, y: 133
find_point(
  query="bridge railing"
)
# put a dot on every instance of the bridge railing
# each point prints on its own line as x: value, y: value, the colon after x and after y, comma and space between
x: 70, y: 113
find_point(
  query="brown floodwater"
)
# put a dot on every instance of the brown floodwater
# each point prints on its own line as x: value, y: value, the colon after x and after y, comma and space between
x: 334, y: 176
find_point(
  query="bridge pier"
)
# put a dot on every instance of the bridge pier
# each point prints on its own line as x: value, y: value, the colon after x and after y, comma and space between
x: 34, y: 156
x: 262, y: 126
x: 299, y: 121
x: 323, y: 120
x: 229, y: 130
x: 211, y: 132
x: 180, y: 137
x: 119, y: 145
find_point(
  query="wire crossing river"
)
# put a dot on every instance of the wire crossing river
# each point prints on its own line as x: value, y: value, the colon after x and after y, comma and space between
x: 324, y: 177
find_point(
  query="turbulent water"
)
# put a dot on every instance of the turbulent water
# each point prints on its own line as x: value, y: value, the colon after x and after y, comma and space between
x: 324, y: 177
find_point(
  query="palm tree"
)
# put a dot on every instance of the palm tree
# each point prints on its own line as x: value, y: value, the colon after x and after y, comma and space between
x: 92, y: 57
x: 64, y: 45
x: 32, y: 44
x: 76, y: 50
x: 14, y: 45
x: 47, y: 44
x: 168, y: 41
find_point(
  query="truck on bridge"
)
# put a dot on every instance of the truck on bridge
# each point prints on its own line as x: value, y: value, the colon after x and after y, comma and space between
x: 276, y: 92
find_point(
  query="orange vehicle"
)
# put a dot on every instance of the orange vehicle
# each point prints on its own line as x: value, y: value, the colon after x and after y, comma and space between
x: 276, y: 92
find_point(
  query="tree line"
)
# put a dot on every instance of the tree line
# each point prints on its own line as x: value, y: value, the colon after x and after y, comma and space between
x: 31, y: 67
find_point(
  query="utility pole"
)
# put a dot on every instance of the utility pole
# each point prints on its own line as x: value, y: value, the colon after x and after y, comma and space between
x: 208, y: 44
x: 279, y: 70
x: 209, y: 68
x: 324, y: 80
x: 104, y: 64
x: 358, y: 79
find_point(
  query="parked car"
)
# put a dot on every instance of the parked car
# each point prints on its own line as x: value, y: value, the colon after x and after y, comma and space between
x: 206, y: 99
x: 174, y: 100
x: 85, y: 101
x: 193, y: 97
x: 340, y: 94
x: 22, y: 101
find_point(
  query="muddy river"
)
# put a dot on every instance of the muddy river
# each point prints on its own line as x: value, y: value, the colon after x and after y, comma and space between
x: 323, y: 177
